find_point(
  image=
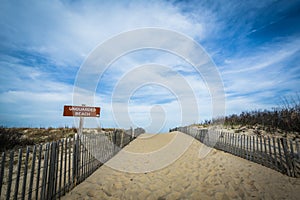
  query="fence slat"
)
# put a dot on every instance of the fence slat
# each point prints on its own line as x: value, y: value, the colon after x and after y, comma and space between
x: 61, y: 167
x: 234, y: 144
x: 56, y: 169
x: 3, y: 156
x: 265, y: 152
x: 248, y: 143
x: 45, y: 171
x: 298, y: 149
x: 286, y: 155
x: 270, y: 152
x: 261, y: 149
x: 275, y: 153
x: 38, y: 172
x: 51, y: 170
x: 250, y: 147
x: 244, y: 147
x: 74, y: 164
x: 225, y: 142
x: 69, y: 166
x: 228, y: 142
x: 257, y: 149
x: 84, y: 157
x: 229, y: 146
x: 65, y: 166
x: 297, y: 166
x: 122, y: 139
x: 18, y: 174
x: 241, y: 146
x: 32, y: 172
x: 280, y: 155
x: 25, y: 173
x: 292, y: 159
x: 10, y: 173
x: 88, y: 154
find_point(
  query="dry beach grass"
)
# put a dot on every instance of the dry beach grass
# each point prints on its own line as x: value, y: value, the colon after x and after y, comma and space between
x: 218, y: 175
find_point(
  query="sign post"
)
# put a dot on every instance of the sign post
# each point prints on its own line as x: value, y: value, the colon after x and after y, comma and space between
x: 81, y: 120
x: 81, y: 111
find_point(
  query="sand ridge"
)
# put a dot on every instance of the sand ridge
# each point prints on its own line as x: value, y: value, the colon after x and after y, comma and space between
x: 219, y: 175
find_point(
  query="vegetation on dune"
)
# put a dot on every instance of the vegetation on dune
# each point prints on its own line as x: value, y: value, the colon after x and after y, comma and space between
x: 285, y: 119
x: 20, y: 137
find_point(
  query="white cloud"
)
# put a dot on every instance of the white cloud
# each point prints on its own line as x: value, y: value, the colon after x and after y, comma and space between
x: 256, y: 81
x: 63, y: 33
x: 262, y: 58
x: 67, y: 32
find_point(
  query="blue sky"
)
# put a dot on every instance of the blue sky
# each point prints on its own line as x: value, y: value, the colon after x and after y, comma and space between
x: 255, y: 45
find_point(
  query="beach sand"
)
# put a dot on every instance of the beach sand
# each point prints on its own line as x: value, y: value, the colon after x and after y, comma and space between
x: 218, y: 175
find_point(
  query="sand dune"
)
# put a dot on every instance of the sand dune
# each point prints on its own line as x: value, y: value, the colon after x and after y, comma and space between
x: 218, y: 175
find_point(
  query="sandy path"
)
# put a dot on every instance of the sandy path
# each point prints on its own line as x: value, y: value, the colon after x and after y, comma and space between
x: 217, y: 176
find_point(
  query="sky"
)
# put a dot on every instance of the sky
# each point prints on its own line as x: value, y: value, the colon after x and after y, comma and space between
x: 253, y: 45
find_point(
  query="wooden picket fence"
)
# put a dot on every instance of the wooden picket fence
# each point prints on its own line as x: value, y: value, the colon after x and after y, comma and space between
x: 280, y: 154
x: 48, y: 171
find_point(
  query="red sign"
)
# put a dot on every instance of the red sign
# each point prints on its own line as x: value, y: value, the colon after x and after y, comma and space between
x: 81, y: 111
